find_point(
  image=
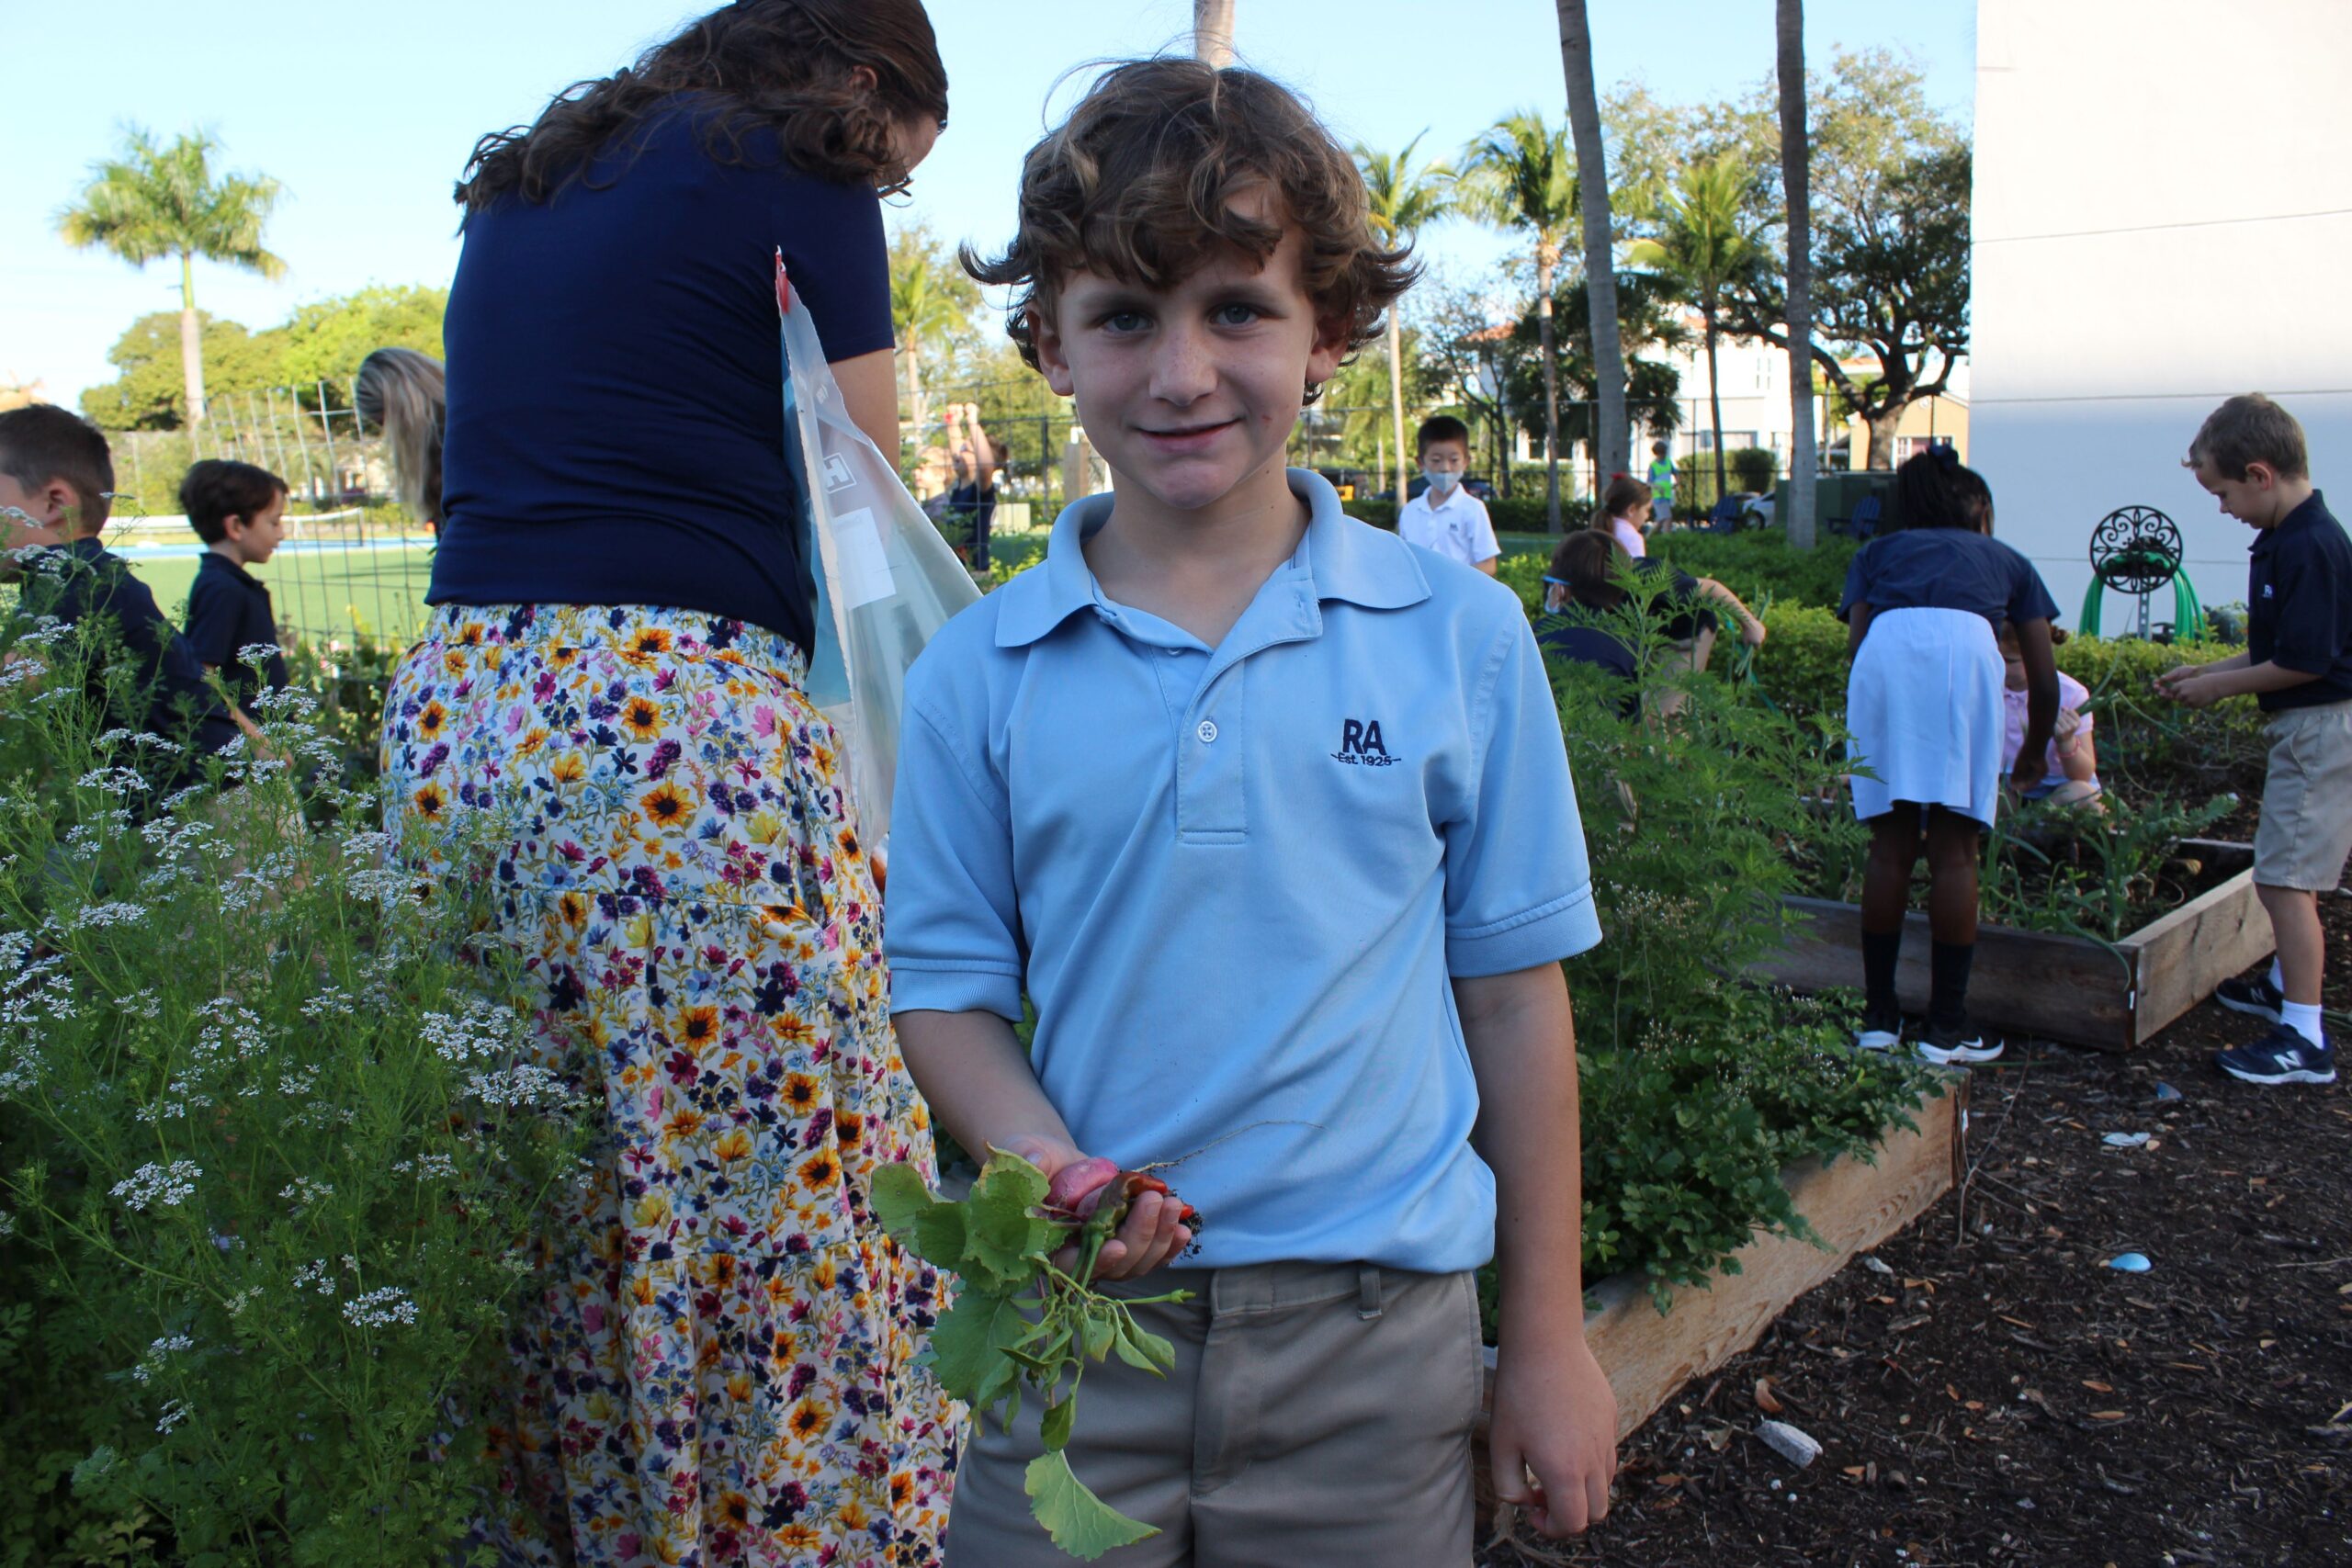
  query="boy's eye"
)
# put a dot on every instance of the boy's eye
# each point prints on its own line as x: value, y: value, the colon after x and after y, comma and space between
x: 1236, y: 315
x: 1124, y: 322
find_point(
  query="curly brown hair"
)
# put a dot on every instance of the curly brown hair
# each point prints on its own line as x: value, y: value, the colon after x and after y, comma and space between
x: 785, y: 66
x: 1138, y: 184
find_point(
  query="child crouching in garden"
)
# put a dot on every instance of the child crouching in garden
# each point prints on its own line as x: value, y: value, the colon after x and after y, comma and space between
x: 2072, y: 775
x: 1925, y: 706
x: 1269, y: 814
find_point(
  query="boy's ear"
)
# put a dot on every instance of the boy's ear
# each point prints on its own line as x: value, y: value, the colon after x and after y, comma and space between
x: 1331, y: 347
x: 1051, y: 361
x: 2261, y: 475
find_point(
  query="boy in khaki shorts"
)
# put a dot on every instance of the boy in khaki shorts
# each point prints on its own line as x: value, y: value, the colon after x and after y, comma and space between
x: 2298, y: 663
x: 1268, y: 812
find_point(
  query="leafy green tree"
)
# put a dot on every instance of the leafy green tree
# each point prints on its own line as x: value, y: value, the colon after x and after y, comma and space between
x: 325, y: 341
x: 1890, y: 192
x: 1520, y: 173
x: 149, y: 392
x: 1709, y: 241
x: 155, y: 201
x: 932, y: 301
x: 1646, y: 309
x: 1402, y: 199
x: 1612, y: 445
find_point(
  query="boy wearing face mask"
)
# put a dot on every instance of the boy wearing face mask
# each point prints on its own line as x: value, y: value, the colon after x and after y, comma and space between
x: 1445, y: 517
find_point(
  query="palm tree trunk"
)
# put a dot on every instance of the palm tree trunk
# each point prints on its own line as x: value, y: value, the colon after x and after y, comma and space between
x: 1613, y: 448
x: 915, y: 410
x: 1714, y: 398
x: 1212, y: 32
x: 1796, y: 180
x: 191, y: 342
x: 1396, y: 399
x: 1546, y: 258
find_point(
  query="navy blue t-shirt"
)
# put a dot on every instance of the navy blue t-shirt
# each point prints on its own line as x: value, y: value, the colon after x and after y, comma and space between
x: 175, y: 701
x: 228, y: 610
x: 615, y: 429
x: 2299, y: 605
x: 1582, y: 642
x: 1946, y: 569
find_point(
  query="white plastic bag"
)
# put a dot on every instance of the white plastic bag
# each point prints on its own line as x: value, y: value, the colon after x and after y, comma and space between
x: 885, y: 579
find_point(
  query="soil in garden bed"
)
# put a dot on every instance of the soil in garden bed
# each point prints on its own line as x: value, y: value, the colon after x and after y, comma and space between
x: 1999, y: 1396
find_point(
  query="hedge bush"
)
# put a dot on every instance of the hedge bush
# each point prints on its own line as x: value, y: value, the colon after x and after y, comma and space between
x: 1759, y: 563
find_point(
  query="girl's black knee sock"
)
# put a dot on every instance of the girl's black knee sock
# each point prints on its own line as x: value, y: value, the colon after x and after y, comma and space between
x: 1880, y: 953
x: 1949, y: 964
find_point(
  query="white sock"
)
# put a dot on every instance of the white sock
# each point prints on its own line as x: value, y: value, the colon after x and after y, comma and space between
x: 2278, y: 979
x: 2303, y: 1019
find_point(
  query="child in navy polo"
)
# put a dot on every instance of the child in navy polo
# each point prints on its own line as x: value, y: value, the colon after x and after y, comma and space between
x: 2250, y: 456
x: 1925, y: 706
x: 239, y: 511
x: 57, y: 482
x: 1590, y: 570
x: 1268, y: 813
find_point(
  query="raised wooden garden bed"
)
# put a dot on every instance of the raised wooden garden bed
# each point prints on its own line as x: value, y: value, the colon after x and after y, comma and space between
x: 2059, y: 987
x: 1853, y: 1205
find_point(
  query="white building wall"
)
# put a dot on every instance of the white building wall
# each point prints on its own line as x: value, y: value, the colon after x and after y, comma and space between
x: 2163, y: 218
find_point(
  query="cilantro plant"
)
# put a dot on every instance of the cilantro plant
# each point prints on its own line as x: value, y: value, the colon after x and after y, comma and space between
x: 276, y: 1143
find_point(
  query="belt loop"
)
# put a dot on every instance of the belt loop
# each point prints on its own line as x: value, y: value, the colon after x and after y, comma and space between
x: 1368, y: 1291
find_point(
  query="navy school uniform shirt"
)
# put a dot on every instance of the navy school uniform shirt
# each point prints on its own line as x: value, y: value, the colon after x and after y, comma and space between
x: 177, y: 704
x: 615, y: 427
x: 229, y: 610
x: 1582, y: 642
x: 1236, y: 882
x: 2299, y: 605
x: 1946, y: 569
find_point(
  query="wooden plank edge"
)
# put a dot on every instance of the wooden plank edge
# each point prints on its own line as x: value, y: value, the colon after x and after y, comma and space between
x: 1920, y: 1167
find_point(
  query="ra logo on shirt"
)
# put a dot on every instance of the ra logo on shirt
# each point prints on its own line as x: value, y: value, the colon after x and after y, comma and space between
x: 2265, y: 590
x: 1360, y: 746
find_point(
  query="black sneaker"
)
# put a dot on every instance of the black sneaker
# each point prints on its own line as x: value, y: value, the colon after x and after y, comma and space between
x: 2256, y: 998
x: 1945, y: 1043
x: 1879, y: 1032
x: 2283, y: 1056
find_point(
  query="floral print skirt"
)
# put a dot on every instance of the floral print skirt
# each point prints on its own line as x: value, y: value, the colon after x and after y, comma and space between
x: 722, y: 1367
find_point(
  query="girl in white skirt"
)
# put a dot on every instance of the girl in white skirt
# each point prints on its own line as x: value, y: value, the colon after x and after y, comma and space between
x: 1925, y: 707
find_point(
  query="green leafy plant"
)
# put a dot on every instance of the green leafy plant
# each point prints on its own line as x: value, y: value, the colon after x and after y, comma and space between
x: 276, y: 1140
x: 1019, y: 1320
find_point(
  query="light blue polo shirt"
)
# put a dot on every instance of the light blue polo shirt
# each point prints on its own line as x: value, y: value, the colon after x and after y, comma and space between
x: 1236, y: 882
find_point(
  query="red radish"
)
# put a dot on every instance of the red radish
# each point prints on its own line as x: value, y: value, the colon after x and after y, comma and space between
x: 1076, y: 1181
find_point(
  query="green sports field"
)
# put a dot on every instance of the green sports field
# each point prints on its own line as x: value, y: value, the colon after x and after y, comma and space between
x: 329, y: 593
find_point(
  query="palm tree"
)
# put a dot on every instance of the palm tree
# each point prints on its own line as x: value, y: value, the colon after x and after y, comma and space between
x: 1796, y: 183
x: 157, y: 201
x: 1708, y: 243
x: 1212, y: 32
x: 1612, y: 446
x: 928, y: 299
x: 1402, y: 199
x: 1521, y: 175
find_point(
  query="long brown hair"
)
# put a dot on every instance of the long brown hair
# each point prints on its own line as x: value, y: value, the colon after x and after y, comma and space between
x: 785, y: 66
x: 1624, y: 494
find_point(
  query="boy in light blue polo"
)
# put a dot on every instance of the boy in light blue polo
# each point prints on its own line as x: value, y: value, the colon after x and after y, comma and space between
x: 1268, y: 813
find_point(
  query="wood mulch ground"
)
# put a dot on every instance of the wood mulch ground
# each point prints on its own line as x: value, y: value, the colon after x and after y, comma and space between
x: 1986, y: 1391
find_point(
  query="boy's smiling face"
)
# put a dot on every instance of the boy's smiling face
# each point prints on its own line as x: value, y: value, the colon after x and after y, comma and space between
x: 1190, y: 391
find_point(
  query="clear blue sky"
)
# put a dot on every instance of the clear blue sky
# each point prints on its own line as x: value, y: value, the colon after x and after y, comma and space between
x: 365, y: 114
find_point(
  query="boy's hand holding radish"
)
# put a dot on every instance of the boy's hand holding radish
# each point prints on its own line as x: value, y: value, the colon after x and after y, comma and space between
x: 1154, y: 1230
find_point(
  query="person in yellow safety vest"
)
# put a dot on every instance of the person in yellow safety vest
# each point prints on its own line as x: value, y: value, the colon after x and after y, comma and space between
x: 1661, y: 485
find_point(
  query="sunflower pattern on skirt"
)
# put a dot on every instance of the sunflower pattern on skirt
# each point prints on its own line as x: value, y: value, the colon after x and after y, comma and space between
x: 721, y: 1371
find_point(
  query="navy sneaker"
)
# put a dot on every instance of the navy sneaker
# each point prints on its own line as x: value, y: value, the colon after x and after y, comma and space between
x: 2257, y: 998
x: 1945, y: 1043
x: 2283, y: 1056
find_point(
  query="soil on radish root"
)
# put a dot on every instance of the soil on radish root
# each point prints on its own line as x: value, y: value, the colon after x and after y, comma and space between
x: 1999, y: 1395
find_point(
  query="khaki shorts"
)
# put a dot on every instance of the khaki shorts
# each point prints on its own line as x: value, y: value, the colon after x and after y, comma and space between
x: 1318, y: 1414
x: 2306, y: 831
